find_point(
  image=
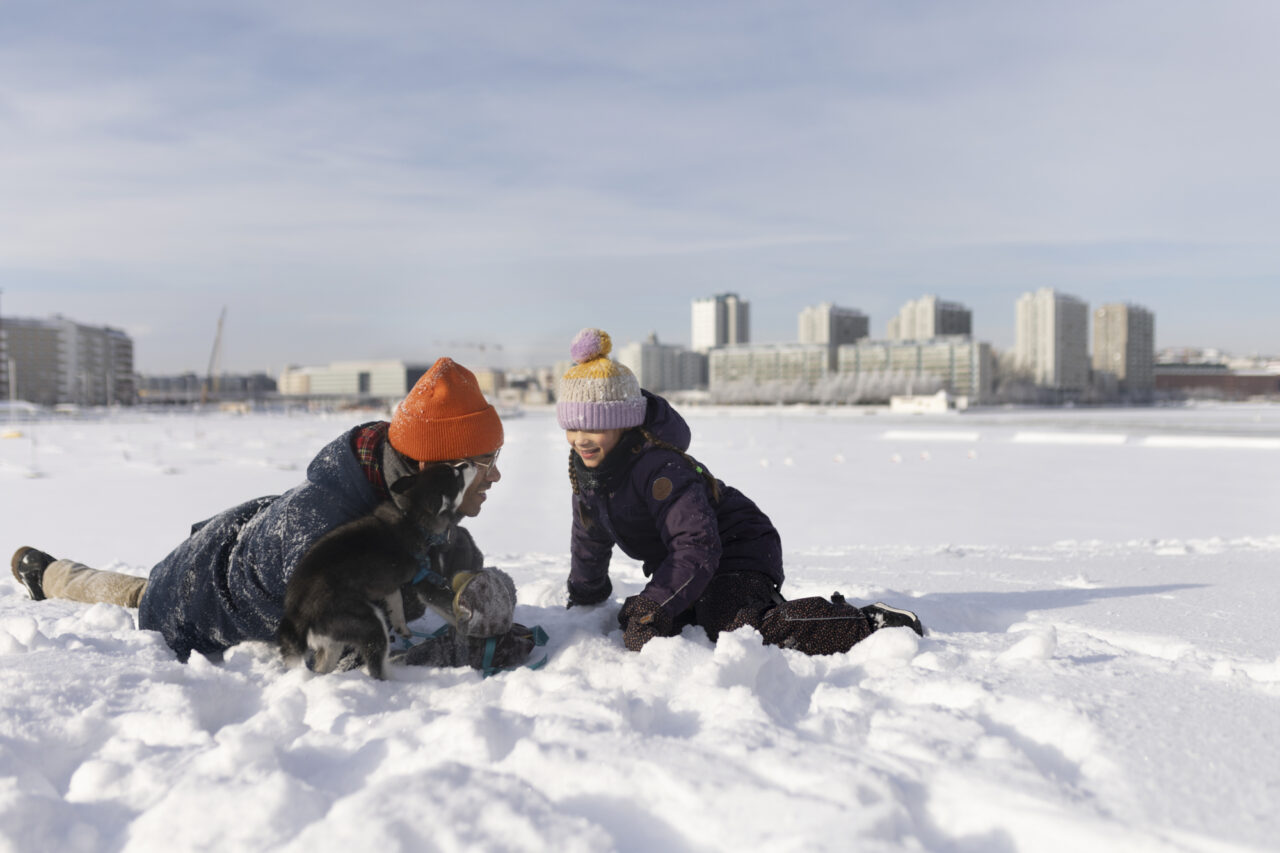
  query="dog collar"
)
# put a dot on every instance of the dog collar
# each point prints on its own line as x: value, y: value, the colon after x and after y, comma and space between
x: 425, y: 572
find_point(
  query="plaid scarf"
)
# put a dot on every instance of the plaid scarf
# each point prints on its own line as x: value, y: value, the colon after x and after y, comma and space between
x: 367, y: 446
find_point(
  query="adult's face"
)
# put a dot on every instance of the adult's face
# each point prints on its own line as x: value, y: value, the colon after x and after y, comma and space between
x: 487, y: 474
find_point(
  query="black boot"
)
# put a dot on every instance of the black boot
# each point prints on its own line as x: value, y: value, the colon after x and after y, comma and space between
x: 28, y: 567
x: 884, y: 616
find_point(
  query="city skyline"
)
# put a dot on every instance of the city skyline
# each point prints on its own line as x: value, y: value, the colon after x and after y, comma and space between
x: 416, y: 181
x: 800, y: 336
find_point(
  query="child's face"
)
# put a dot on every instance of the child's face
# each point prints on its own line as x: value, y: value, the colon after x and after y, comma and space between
x: 593, y: 447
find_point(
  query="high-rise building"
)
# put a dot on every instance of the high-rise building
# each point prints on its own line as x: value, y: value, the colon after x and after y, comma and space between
x: 1052, y: 339
x: 59, y: 361
x: 930, y: 317
x: 832, y: 325
x: 719, y: 321
x: 1124, y: 346
x: 664, y: 367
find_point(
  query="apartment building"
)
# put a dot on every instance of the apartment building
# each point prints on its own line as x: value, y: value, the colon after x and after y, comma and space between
x: 1124, y: 347
x: 720, y: 320
x: 1051, y: 342
x: 930, y: 317
x: 59, y: 361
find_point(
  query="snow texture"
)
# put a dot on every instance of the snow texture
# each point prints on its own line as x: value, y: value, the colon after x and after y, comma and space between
x: 1101, y: 673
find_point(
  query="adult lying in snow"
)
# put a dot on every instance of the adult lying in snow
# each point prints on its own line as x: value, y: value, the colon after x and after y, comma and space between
x: 226, y: 583
x: 712, y: 557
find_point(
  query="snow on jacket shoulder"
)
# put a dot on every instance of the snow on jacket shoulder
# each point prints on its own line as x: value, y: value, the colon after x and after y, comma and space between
x: 226, y: 583
x: 663, y: 514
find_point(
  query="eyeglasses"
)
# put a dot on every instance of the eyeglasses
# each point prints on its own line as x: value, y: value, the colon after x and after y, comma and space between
x: 485, y: 465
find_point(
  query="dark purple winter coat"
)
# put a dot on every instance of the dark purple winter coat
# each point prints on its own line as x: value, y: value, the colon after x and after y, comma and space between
x: 659, y: 509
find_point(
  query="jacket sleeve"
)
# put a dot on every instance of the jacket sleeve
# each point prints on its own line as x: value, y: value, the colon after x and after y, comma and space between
x: 680, y: 503
x: 590, y: 548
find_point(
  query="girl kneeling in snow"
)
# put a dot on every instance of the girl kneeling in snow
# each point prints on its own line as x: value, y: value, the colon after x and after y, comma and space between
x: 712, y: 557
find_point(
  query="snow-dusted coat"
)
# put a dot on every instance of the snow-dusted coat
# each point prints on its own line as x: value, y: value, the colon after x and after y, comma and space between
x: 226, y: 583
x: 661, y: 512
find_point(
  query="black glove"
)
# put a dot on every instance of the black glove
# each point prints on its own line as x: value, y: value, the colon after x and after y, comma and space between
x: 583, y: 596
x: 642, y: 619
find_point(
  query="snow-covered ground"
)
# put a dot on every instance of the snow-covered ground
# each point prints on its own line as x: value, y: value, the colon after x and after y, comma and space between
x: 1102, y: 673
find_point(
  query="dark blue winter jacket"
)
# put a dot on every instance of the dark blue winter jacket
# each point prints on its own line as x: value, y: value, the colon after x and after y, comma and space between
x: 659, y: 509
x: 226, y: 583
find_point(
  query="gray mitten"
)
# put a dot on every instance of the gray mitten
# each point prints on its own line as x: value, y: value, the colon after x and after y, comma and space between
x: 485, y: 604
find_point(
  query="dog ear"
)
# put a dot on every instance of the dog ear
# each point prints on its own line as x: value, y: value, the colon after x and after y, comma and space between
x: 404, y: 484
x: 439, y: 475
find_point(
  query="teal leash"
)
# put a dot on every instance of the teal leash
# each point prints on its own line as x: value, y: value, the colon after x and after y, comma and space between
x: 540, y: 638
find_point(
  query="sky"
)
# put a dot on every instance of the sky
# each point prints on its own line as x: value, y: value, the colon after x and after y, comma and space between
x: 481, y: 180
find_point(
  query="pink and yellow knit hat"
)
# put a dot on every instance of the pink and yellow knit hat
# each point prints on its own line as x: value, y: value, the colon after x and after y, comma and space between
x: 597, y: 393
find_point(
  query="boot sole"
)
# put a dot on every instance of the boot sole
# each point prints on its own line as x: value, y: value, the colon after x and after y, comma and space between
x: 909, y: 619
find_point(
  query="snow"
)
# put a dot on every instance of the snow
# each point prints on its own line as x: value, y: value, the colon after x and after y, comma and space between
x: 1102, y: 668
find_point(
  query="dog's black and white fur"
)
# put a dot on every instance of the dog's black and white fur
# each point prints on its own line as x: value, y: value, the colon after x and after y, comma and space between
x: 346, y: 588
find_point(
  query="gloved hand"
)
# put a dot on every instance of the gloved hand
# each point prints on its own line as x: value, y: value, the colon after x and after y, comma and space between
x: 584, y: 596
x: 484, y: 603
x: 642, y: 619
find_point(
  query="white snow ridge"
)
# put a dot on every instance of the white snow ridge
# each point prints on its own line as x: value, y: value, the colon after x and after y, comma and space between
x: 1102, y: 670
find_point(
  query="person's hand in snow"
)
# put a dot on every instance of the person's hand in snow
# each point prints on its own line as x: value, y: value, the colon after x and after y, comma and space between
x: 642, y: 619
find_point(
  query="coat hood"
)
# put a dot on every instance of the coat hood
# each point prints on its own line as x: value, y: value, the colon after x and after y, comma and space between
x: 665, y: 422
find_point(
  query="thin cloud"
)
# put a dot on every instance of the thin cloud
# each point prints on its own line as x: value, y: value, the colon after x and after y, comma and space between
x: 454, y: 158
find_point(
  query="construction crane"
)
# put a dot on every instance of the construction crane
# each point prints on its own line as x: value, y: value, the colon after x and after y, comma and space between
x: 211, y: 381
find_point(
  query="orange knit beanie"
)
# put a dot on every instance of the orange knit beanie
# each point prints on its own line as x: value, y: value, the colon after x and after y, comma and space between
x: 445, y: 416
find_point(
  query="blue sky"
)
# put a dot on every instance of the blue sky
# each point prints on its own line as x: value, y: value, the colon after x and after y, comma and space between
x: 414, y: 179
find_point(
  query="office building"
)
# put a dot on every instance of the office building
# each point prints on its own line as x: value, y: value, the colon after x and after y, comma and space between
x: 1052, y: 340
x: 385, y: 380
x: 720, y: 320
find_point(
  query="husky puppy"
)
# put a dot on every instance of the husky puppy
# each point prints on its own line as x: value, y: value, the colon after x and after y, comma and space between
x: 346, y: 588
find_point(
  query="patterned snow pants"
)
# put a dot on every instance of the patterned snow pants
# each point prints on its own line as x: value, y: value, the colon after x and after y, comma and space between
x: 815, y: 626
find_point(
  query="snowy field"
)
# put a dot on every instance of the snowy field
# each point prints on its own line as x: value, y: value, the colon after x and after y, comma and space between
x: 1102, y: 589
